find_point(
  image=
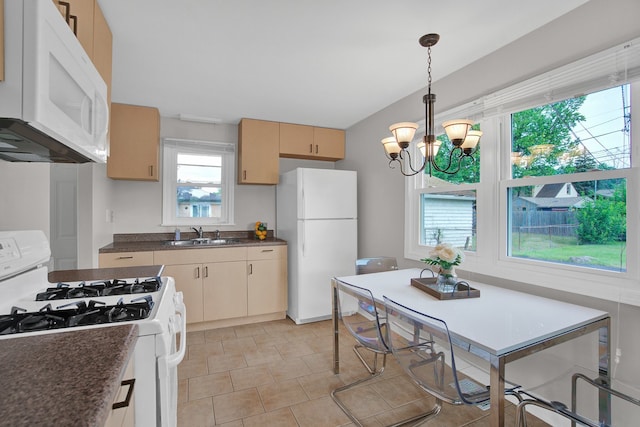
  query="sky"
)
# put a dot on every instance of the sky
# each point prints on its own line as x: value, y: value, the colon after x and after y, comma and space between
x: 602, y: 131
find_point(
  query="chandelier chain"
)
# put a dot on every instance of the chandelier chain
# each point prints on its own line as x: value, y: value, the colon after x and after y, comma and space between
x: 429, y: 67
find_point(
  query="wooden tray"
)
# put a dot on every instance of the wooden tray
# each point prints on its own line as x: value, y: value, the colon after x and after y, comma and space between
x: 428, y: 285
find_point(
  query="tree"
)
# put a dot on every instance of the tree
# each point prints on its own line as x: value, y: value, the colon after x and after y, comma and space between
x: 542, y: 135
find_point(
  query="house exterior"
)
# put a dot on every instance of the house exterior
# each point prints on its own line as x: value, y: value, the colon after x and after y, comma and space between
x: 550, y: 197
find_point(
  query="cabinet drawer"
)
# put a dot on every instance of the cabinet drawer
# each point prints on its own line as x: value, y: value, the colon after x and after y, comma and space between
x: 190, y: 256
x: 123, y: 415
x: 266, y: 252
x: 125, y: 259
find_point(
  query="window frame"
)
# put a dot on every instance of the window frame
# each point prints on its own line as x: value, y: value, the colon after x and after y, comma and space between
x: 170, y: 149
x: 490, y: 261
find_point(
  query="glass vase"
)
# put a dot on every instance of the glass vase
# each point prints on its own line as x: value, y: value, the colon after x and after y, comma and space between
x: 447, y: 279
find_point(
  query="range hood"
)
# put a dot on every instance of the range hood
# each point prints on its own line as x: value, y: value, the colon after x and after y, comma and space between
x: 53, y: 104
x: 20, y: 142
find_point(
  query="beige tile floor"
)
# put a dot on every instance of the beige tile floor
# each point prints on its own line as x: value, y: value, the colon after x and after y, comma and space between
x: 280, y: 374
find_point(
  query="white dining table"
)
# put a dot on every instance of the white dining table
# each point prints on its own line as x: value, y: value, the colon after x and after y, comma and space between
x: 503, y: 324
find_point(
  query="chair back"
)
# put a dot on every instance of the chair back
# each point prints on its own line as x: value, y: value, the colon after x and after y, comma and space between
x: 358, y: 312
x: 376, y: 264
x: 423, y: 347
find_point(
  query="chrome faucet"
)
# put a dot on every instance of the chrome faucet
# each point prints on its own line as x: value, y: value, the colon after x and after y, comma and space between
x: 199, y: 231
x: 217, y: 235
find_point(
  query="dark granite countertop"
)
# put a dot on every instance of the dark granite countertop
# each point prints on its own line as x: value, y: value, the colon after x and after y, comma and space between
x: 105, y: 273
x: 63, y: 378
x: 157, y: 241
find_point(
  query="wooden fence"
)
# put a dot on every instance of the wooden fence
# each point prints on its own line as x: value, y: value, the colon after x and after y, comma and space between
x: 552, y: 223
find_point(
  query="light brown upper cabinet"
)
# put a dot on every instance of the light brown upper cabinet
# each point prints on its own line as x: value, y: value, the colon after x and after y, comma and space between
x: 1, y: 40
x: 310, y: 142
x: 79, y: 14
x: 135, y: 143
x: 102, y: 49
x: 258, y: 151
x: 87, y: 22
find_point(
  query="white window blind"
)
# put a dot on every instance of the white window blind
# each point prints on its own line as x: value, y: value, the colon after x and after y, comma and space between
x: 612, y: 67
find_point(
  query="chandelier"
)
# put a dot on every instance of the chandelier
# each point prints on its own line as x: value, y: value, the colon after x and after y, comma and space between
x: 459, y: 132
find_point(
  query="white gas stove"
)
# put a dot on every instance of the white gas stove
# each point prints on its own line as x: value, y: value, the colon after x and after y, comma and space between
x: 30, y: 305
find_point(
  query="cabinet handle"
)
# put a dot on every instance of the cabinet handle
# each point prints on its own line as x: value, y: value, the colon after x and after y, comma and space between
x: 197, y: 272
x: 151, y: 170
x: 127, y: 400
x: 267, y: 250
x: 311, y: 148
x: 316, y: 148
x: 250, y: 268
x: 206, y: 271
x: 67, y: 10
x: 125, y: 257
x: 244, y: 174
x: 75, y: 24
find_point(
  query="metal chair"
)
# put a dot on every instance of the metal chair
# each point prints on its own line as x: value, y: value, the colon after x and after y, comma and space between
x: 357, y: 311
x: 376, y: 264
x: 423, y: 347
x: 542, y: 397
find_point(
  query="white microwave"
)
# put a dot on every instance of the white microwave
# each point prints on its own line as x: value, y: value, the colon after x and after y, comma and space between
x: 53, y: 101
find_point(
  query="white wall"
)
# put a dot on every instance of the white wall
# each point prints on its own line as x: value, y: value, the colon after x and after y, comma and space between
x: 95, y: 201
x: 24, y: 196
x: 137, y: 206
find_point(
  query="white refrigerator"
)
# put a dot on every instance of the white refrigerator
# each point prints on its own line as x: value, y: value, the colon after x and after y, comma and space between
x: 316, y: 213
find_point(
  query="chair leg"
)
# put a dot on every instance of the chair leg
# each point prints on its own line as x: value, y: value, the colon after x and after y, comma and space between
x: 372, y: 370
x: 373, y: 374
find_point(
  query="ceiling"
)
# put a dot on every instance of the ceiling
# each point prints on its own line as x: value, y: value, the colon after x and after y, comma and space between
x: 326, y: 62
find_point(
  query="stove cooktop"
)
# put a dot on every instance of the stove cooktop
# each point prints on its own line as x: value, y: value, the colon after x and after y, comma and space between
x: 100, y: 288
x: 78, y: 313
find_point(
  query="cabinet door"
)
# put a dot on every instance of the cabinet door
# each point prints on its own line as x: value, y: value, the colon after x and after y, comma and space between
x: 296, y: 141
x: 225, y: 290
x: 134, y: 143
x: 102, y: 48
x: 328, y: 143
x: 188, y: 279
x: 125, y: 259
x: 267, y: 280
x: 258, y: 152
x: 80, y: 19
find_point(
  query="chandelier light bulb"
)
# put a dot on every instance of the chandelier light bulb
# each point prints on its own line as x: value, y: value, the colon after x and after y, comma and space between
x: 391, y: 147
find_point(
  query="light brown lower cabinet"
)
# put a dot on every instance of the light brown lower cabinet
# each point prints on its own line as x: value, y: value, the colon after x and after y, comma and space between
x: 188, y: 279
x: 267, y: 272
x: 225, y: 290
x: 123, y: 410
x: 219, y: 283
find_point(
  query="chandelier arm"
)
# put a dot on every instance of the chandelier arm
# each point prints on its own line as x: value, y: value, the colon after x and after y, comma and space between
x: 408, y: 160
x: 402, y: 160
x: 450, y: 163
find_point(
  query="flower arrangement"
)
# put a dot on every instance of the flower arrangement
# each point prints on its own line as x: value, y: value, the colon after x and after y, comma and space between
x: 444, y: 256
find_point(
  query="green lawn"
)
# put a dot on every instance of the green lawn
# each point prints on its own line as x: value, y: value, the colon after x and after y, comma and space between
x: 563, y: 249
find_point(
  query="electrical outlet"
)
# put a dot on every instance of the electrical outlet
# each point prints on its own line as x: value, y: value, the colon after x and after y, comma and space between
x: 109, y: 214
x: 618, y: 355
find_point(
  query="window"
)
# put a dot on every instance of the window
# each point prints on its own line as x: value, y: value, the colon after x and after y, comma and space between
x: 571, y: 221
x: 197, y: 182
x: 557, y: 203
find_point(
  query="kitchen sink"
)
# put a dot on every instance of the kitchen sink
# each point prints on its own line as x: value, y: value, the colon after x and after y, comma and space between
x: 201, y: 242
